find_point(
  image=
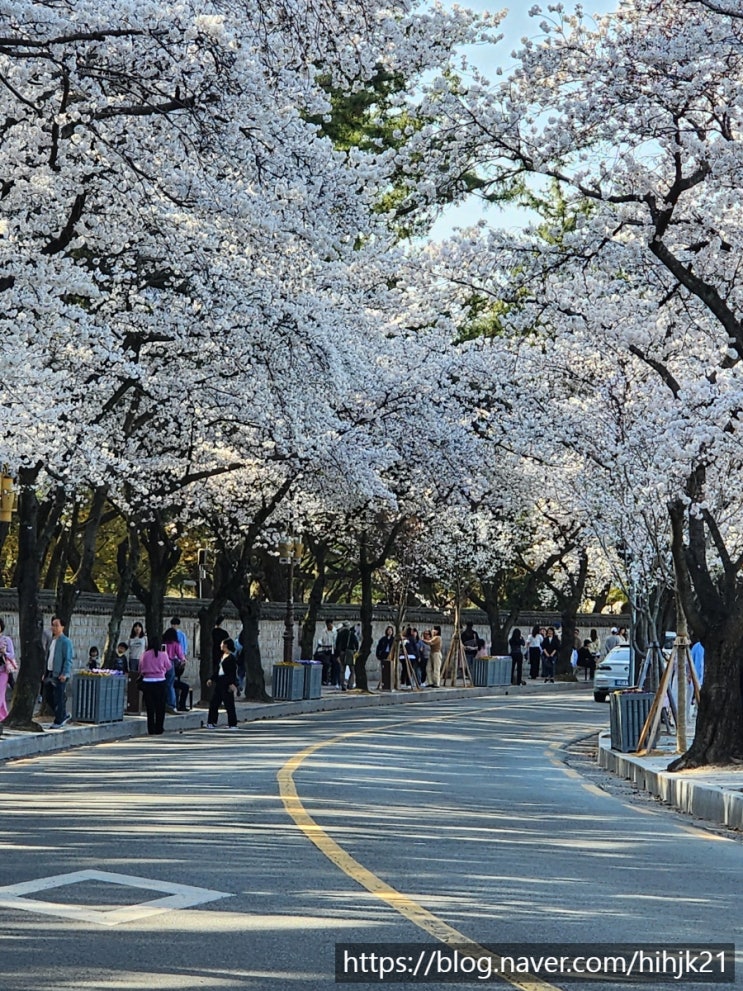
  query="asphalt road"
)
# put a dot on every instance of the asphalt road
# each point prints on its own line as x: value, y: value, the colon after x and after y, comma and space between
x: 414, y: 825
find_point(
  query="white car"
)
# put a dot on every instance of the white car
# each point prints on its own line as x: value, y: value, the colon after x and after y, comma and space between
x: 612, y: 673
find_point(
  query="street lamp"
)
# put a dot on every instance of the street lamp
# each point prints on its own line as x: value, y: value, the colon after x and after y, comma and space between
x: 290, y: 553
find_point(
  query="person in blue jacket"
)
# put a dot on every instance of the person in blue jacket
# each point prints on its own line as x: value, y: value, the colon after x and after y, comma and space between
x: 59, y: 669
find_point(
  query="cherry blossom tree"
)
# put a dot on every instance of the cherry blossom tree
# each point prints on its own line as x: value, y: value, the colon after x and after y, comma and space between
x: 636, y: 121
x: 184, y: 253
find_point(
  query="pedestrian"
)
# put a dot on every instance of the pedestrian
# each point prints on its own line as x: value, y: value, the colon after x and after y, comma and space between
x: 224, y: 686
x: 410, y: 658
x: 550, y: 649
x: 516, y: 649
x: 136, y: 646
x: 120, y: 660
x: 241, y: 654
x: 469, y: 640
x: 154, y: 665
x: 384, y: 644
x: 424, y: 653
x: 577, y: 644
x: 534, y: 646
x: 697, y: 659
x: 586, y: 660
x: 58, y: 671
x: 8, y: 667
x: 93, y: 659
x: 595, y: 647
x: 346, y: 645
x: 383, y: 653
x: 611, y: 641
x: 219, y: 635
x: 436, y: 652
x: 172, y: 646
x: 326, y: 652
x: 175, y: 624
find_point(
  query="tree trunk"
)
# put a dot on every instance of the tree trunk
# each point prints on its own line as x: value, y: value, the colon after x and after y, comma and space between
x: 127, y: 560
x: 490, y: 603
x: 719, y: 729
x: 207, y: 618
x: 163, y: 555
x: 309, y: 626
x: 602, y: 598
x: 498, y: 630
x: 569, y: 603
x: 569, y: 625
x: 714, y: 607
x: 32, y: 543
x: 366, y: 616
x: 82, y: 580
x: 250, y: 613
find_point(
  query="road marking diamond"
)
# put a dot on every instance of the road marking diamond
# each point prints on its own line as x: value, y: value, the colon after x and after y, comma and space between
x: 177, y: 896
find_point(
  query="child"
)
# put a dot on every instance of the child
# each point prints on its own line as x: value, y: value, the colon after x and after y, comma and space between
x: 120, y: 660
x: 93, y: 658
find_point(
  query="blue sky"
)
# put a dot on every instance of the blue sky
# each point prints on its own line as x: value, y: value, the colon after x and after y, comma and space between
x: 517, y: 25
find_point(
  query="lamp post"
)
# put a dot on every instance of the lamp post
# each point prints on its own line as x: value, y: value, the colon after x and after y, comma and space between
x: 290, y: 553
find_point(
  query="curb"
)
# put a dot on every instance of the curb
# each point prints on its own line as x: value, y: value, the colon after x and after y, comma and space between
x: 718, y: 797
x: 15, y: 745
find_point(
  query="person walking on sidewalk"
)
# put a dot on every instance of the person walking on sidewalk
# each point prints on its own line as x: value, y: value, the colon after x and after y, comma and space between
x: 59, y: 669
x: 154, y: 665
x: 346, y: 645
x: 223, y: 683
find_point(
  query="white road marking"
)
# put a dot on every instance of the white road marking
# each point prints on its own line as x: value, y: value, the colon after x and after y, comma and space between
x: 178, y: 896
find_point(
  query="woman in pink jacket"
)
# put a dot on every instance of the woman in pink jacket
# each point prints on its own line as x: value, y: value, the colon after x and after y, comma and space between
x: 154, y: 665
x: 8, y: 666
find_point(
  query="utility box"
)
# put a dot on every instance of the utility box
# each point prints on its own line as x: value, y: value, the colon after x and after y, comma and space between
x: 628, y: 712
x: 98, y: 698
x: 288, y: 681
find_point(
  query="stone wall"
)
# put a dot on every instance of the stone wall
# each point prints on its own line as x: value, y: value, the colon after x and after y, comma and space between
x: 90, y: 621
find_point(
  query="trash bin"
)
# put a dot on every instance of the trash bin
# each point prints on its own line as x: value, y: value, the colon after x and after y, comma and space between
x: 98, y: 697
x: 628, y: 712
x: 288, y: 681
x: 312, y: 683
x: 386, y: 674
x: 488, y: 672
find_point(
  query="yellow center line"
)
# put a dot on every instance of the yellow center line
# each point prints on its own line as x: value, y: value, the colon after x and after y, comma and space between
x: 400, y: 902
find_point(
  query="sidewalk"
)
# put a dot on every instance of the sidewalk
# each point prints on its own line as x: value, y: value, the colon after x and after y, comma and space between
x: 712, y: 793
